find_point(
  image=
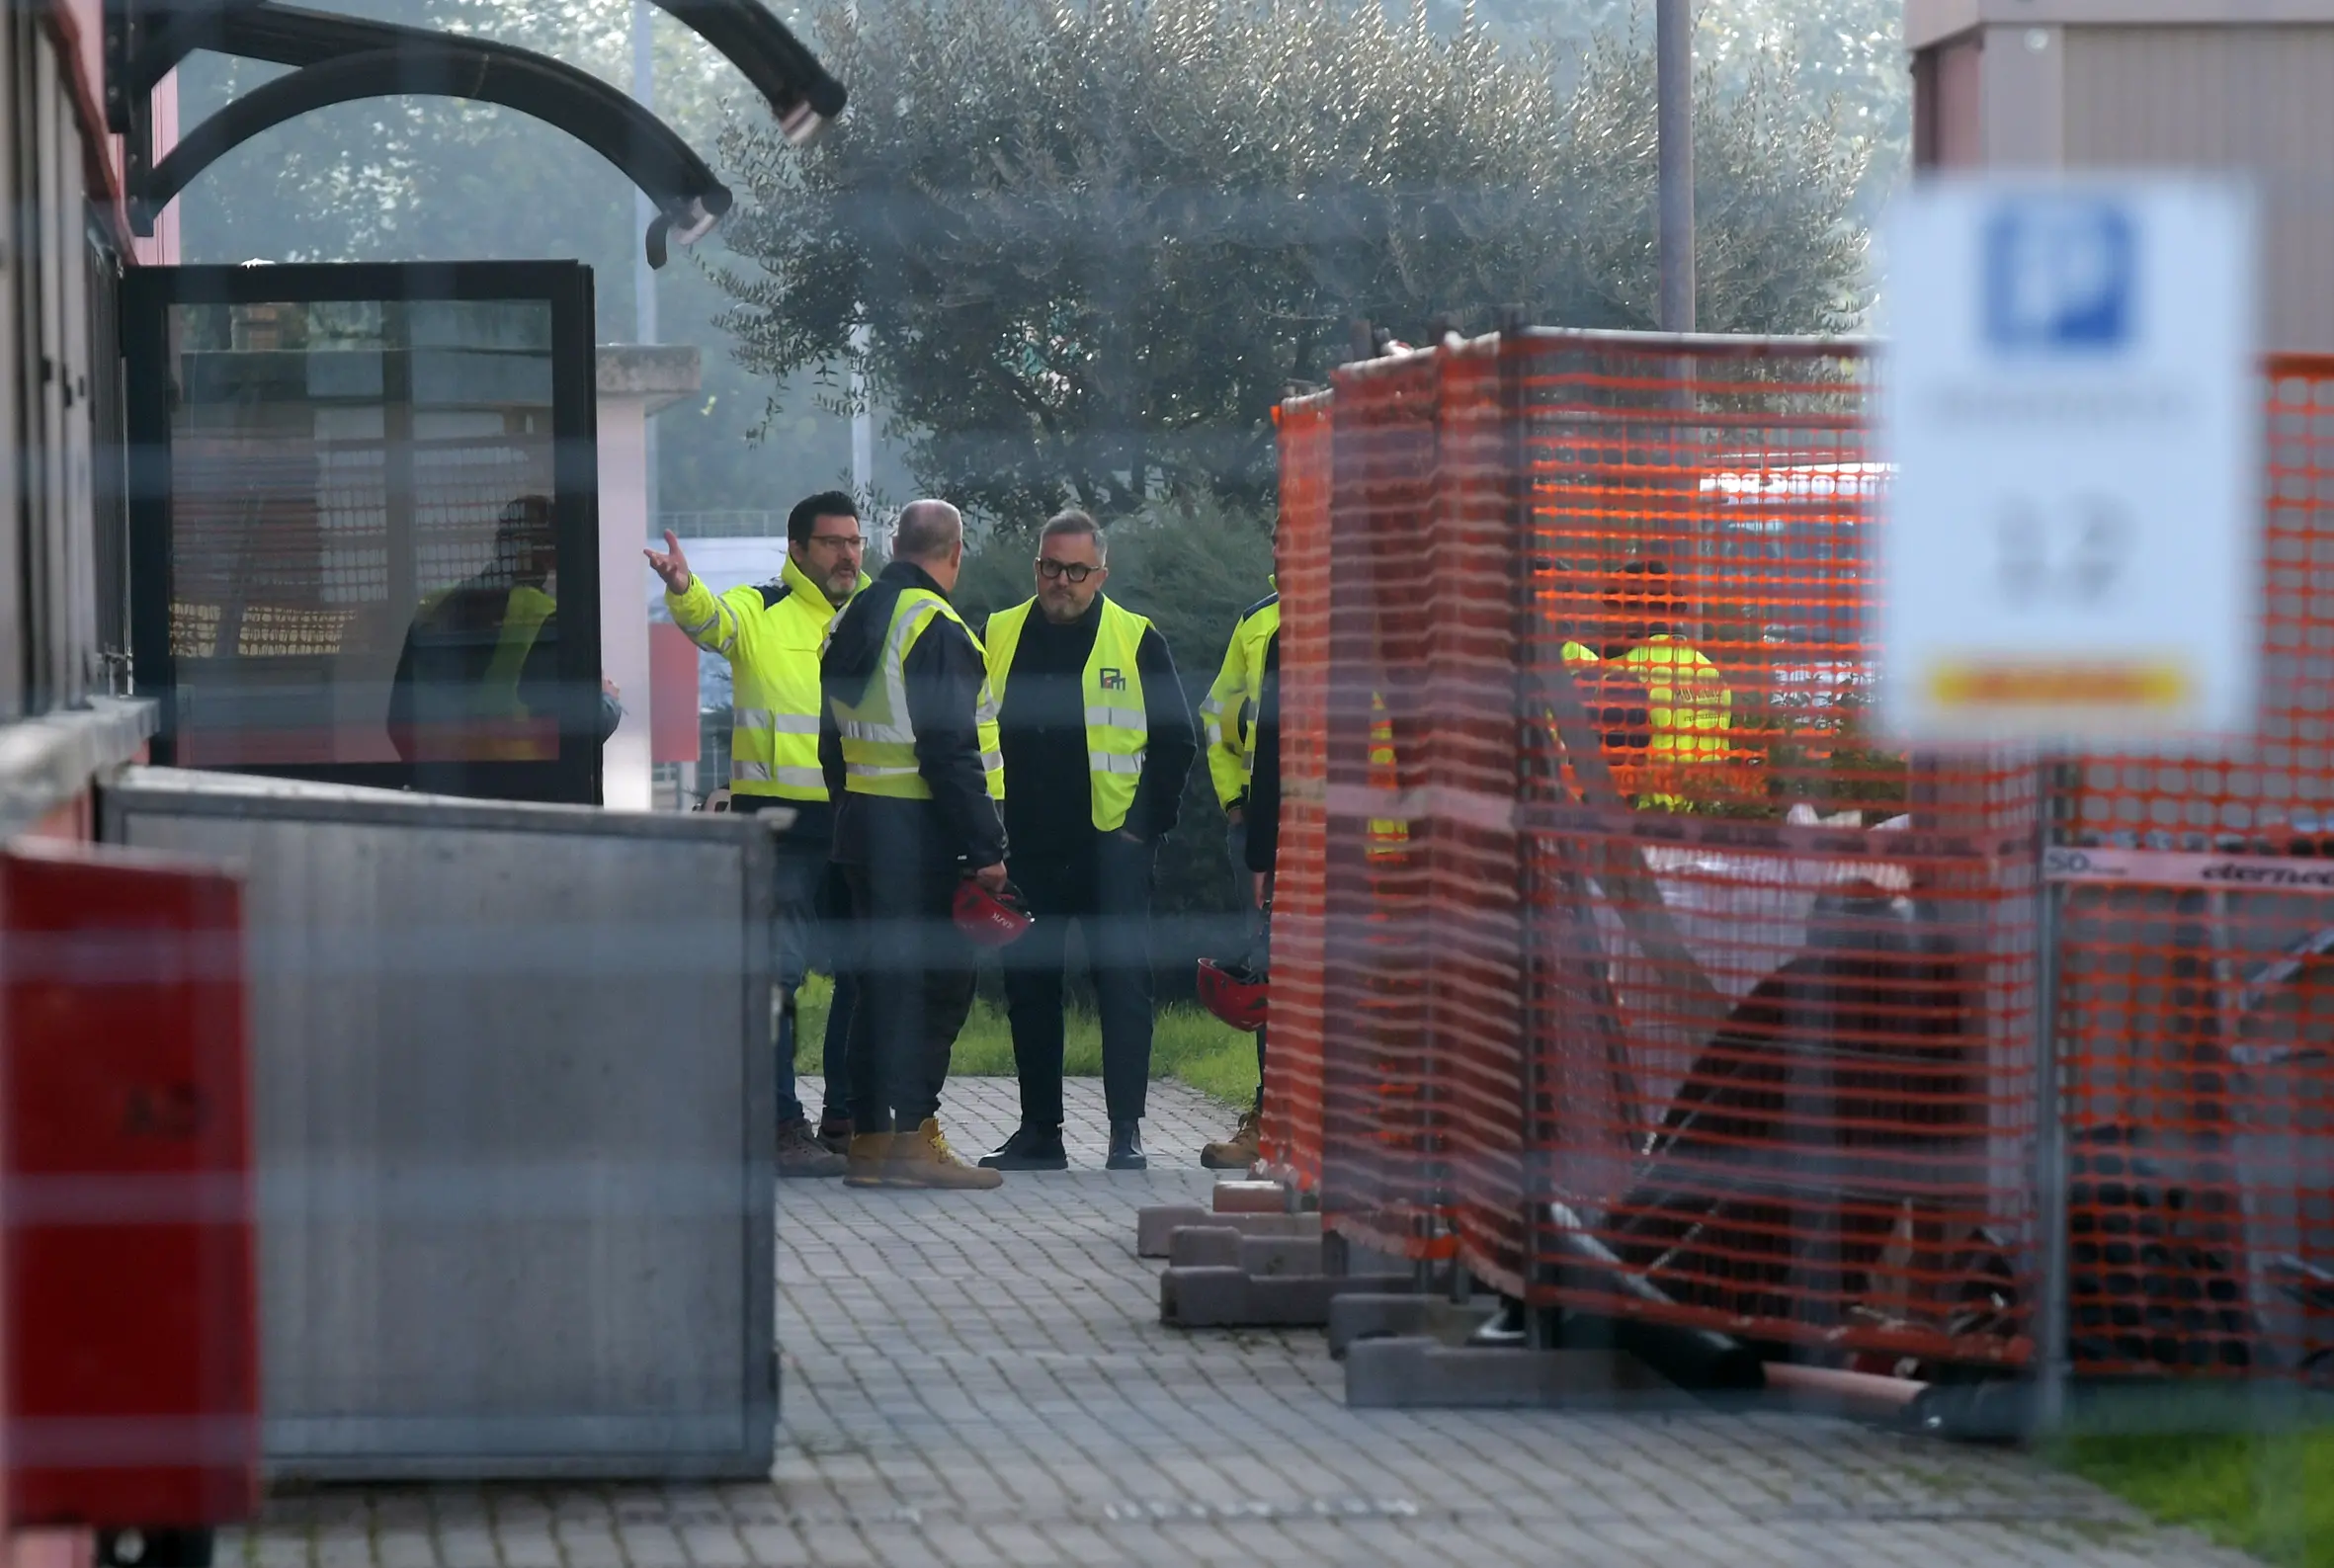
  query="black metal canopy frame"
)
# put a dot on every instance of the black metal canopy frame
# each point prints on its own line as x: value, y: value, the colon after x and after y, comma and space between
x: 338, y: 59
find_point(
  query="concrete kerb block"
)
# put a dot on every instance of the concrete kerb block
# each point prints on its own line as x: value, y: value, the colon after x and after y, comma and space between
x: 1428, y: 1375
x: 1355, y: 1317
x: 1220, y: 1297
x: 1225, y: 1247
x: 1156, y: 1225
x: 1250, y: 1198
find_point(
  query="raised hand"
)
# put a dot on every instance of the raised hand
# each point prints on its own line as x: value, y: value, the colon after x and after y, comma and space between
x: 670, y: 565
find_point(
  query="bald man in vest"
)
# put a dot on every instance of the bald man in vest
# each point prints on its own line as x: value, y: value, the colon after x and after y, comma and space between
x: 908, y: 741
x: 1097, y: 740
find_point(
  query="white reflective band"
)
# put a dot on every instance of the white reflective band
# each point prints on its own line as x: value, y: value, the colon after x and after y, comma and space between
x: 992, y: 761
x: 699, y: 628
x: 750, y: 719
x: 1213, y: 729
x: 881, y: 734
x: 799, y: 777
x: 1111, y: 762
x: 1117, y: 718
x: 790, y: 723
x: 749, y: 771
x: 869, y: 770
x: 2236, y: 873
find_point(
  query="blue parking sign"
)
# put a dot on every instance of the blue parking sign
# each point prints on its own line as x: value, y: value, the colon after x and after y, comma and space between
x: 2061, y: 275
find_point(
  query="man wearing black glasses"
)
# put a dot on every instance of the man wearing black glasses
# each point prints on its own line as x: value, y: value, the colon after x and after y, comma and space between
x: 1097, y: 739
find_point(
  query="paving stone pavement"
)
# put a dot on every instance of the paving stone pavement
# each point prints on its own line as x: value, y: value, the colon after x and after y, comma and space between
x: 980, y: 1379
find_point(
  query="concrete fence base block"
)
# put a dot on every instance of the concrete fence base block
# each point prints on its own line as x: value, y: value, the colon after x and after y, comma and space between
x: 1250, y: 1198
x: 1225, y: 1247
x: 1221, y: 1297
x: 1156, y: 1225
x: 1427, y: 1374
x: 1355, y: 1317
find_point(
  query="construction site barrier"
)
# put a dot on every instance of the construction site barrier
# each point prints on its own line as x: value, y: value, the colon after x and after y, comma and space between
x: 1642, y: 982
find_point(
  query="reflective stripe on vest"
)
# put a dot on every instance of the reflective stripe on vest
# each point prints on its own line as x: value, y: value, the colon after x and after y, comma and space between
x: 1117, y: 725
x: 878, y: 737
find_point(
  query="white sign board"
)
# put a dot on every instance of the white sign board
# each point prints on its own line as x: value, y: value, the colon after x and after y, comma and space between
x: 2071, y: 405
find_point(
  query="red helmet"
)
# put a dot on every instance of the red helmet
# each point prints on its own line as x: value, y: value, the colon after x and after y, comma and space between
x: 990, y: 919
x: 1233, y: 993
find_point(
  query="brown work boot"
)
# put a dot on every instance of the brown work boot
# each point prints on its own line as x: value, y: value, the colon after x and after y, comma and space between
x: 870, y: 1160
x: 801, y: 1155
x: 1237, y: 1152
x: 923, y: 1158
x: 834, y: 1133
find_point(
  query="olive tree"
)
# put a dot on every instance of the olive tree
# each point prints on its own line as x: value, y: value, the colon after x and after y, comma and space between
x: 1092, y: 244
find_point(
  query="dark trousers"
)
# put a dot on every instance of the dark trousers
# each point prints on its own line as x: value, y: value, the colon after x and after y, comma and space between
x: 915, y: 975
x: 1105, y: 887
x: 808, y: 934
x: 1257, y: 930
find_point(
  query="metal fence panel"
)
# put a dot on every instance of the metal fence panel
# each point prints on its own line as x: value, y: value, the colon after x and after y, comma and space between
x: 513, y: 1128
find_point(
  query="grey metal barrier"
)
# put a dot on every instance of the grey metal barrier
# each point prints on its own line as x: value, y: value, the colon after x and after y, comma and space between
x: 512, y: 1126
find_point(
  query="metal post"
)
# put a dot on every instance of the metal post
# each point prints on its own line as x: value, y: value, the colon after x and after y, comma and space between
x: 2050, y: 1146
x: 644, y: 327
x: 1673, y: 73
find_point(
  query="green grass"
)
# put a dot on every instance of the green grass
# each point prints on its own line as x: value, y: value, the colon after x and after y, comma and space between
x: 1187, y: 1044
x: 2271, y: 1495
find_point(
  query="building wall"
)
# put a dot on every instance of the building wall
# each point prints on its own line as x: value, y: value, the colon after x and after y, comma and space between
x: 63, y: 546
x: 2255, y: 99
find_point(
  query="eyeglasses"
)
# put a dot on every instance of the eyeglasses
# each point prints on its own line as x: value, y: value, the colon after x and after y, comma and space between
x: 1075, y: 571
x: 842, y: 541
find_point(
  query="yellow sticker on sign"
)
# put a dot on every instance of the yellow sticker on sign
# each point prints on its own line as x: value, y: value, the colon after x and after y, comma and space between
x: 2036, y: 685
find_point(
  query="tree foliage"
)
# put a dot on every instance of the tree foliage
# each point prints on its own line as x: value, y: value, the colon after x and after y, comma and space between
x: 1095, y: 243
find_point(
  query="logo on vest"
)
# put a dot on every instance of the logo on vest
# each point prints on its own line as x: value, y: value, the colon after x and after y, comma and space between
x: 1114, y: 680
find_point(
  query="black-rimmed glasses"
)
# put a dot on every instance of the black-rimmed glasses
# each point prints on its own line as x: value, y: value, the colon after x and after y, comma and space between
x: 1075, y: 571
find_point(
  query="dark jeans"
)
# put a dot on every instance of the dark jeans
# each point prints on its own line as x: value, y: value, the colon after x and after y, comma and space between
x: 808, y: 934
x: 1105, y: 887
x: 915, y: 975
x: 1258, y: 930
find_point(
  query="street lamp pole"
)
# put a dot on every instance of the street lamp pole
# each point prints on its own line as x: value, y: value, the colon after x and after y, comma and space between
x: 1673, y: 74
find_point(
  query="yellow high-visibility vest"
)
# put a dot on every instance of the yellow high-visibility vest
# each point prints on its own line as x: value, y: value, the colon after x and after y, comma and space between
x: 1387, y: 836
x: 1117, y: 725
x: 1689, y: 710
x: 878, y: 738
x: 772, y: 637
x: 1228, y: 716
x: 1688, y: 700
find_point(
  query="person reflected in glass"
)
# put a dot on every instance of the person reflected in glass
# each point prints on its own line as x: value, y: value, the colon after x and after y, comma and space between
x: 477, y: 680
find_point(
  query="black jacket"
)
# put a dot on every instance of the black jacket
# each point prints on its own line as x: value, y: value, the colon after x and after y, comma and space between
x: 1262, y: 818
x: 1049, y: 795
x: 943, y: 673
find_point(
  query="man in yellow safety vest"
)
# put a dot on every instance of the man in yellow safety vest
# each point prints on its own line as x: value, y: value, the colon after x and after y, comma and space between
x: 908, y: 744
x: 1097, y: 741
x: 772, y: 636
x: 1228, y: 719
x: 1689, y: 707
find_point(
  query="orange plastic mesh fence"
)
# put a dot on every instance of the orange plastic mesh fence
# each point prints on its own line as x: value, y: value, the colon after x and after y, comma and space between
x: 1292, y: 1081
x: 1784, y: 1072
x: 1380, y: 1180
x: 1611, y: 952
x: 2198, y: 1014
x: 1651, y: 986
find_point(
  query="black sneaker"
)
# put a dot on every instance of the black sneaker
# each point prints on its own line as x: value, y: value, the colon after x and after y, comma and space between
x: 1029, y: 1149
x: 834, y: 1133
x: 1127, y: 1147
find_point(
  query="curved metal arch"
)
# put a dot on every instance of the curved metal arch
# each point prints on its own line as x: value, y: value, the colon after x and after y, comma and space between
x: 685, y: 190
x: 800, y: 93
